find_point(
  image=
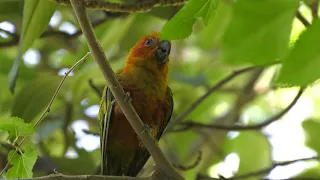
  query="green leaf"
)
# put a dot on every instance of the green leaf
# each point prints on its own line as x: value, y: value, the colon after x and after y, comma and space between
x: 311, y: 130
x: 301, y: 66
x: 26, y: 73
x: 9, y: 9
x: 259, y: 31
x: 207, y: 11
x: 16, y: 127
x: 22, y: 164
x: 36, y: 16
x: 31, y: 100
x: 84, y: 164
x: 253, y: 149
x: 180, y: 26
x: 212, y: 34
x: 106, y: 36
x: 121, y: 26
x: 310, y: 173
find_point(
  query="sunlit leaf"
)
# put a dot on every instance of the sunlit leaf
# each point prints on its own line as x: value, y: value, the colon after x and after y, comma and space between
x: 22, y: 164
x: 259, y: 31
x: 310, y: 173
x: 213, y: 33
x: 253, y: 149
x: 311, y: 129
x: 300, y: 67
x: 180, y: 26
x: 16, y: 127
x: 207, y: 11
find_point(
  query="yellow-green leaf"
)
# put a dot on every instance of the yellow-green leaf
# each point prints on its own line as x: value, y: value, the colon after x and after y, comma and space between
x: 36, y: 16
x: 22, y: 164
x: 16, y: 127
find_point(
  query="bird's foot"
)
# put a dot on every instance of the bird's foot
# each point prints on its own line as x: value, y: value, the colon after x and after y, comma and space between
x: 127, y: 97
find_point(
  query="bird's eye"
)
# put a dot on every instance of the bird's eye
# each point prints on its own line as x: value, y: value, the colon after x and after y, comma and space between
x: 148, y: 42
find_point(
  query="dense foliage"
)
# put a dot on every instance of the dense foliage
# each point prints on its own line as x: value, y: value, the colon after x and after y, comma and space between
x: 221, y: 106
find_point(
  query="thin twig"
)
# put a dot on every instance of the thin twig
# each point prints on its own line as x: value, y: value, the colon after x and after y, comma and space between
x: 144, y: 6
x: 191, y: 166
x: 314, y: 5
x: 47, y: 110
x: 188, y: 125
x: 259, y: 172
x: 90, y: 132
x: 302, y: 19
x: 14, y: 38
x: 95, y: 88
x: 116, y: 89
x: 79, y: 32
x: 14, y: 35
x: 214, y: 88
x: 274, y: 165
x: 53, y: 33
x: 85, y: 177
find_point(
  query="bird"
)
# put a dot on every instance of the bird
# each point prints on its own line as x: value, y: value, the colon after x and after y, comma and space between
x: 145, y: 78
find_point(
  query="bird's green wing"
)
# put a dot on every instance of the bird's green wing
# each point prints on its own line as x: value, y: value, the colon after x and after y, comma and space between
x: 106, y: 106
x: 167, y: 114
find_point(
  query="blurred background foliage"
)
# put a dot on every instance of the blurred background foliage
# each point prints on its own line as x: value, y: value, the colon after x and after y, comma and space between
x: 196, y: 64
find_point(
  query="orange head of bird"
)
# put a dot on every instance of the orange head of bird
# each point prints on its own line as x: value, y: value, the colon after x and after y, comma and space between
x: 150, y: 51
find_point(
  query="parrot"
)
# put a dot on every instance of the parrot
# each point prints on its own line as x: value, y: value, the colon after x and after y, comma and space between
x: 145, y: 78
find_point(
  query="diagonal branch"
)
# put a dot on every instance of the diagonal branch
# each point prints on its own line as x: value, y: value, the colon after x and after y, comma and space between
x: 59, y: 34
x: 116, y: 89
x: 47, y: 110
x: 261, y: 171
x: 191, y: 166
x: 188, y: 125
x: 214, y: 88
x: 13, y: 40
x: 274, y: 165
x: 302, y: 19
x: 144, y: 6
x: 314, y: 5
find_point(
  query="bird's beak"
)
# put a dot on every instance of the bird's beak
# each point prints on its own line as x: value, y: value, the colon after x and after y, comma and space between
x: 163, y: 51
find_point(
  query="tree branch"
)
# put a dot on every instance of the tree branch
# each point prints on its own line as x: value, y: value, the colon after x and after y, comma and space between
x: 144, y: 6
x: 214, y: 88
x: 116, y: 89
x: 302, y: 19
x: 13, y: 41
x: 53, y: 33
x: 261, y: 171
x: 274, y: 165
x: 314, y: 5
x: 85, y: 177
x: 47, y: 110
x: 191, y: 166
x: 188, y: 125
